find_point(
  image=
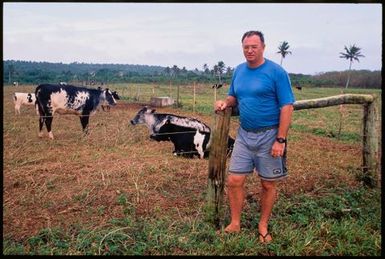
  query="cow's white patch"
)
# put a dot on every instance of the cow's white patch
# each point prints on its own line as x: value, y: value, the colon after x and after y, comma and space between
x: 189, y: 123
x: 198, y: 142
x: 149, y: 120
x: 58, y: 101
x: 183, y: 122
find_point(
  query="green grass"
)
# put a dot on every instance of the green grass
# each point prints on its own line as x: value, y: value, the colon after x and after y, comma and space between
x: 343, y: 221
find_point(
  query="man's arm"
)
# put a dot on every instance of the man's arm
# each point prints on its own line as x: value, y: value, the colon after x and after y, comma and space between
x: 285, y: 120
x: 283, y: 129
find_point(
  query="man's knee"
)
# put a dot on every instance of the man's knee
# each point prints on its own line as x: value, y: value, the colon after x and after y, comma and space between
x: 234, y: 181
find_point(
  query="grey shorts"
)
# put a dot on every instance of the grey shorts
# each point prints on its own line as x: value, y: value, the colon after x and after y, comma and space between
x: 253, y: 151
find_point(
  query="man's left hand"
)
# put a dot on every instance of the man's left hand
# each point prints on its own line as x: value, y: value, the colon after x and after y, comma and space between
x: 277, y: 149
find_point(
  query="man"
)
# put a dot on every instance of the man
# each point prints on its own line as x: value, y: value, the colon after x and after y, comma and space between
x: 262, y: 91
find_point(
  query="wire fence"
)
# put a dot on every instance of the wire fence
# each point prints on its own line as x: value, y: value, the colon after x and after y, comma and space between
x: 200, y: 98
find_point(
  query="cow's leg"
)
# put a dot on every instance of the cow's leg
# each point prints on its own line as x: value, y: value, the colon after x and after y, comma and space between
x: 84, y: 121
x: 17, y: 109
x: 41, y: 123
x: 48, y: 123
x: 41, y: 119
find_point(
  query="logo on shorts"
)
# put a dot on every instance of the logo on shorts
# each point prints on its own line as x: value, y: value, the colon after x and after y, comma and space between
x: 277, y: 171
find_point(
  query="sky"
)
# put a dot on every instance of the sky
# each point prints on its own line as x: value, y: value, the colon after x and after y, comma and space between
x: 192, y: 34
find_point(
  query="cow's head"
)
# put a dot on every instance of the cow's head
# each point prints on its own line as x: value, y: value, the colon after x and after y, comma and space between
x: 110, y: 98
x: 140, y: 117
x: 115, y: 95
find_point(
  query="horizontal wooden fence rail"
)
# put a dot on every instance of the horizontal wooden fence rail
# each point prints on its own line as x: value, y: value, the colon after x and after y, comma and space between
x: 334, y: 100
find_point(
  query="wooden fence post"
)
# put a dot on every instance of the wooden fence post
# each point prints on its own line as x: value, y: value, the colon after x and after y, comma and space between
x: 217, y: 167
x: 137, y: 93
x: 177, y: 96
x: 370, y: 151
x: 194, y: 100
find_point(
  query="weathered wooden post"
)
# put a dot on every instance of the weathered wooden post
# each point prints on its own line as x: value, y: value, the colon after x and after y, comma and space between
x: 217, y: 167
x: 177, y: 96
x: 194, y: 100
x: 169, y: 90
x: 137, y: 93
x: 370, y: 151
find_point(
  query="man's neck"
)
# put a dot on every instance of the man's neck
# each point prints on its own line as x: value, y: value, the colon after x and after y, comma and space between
x: 256, y: 63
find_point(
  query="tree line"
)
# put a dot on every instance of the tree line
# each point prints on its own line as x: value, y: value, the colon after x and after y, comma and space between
x: 29, y: 72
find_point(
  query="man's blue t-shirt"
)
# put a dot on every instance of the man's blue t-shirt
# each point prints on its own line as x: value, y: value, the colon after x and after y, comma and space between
x: 260, y: 92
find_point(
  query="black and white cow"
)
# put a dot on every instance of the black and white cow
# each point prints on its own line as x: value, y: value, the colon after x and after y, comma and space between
x: 188, y: 142
x: 69, y: 99
x: 189, y: 136
x: 23, y: 99
x: 105, y: 106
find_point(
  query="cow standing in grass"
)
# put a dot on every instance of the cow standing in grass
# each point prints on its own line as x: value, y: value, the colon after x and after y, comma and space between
x: 69, y: 99
x: 20, y: 99
x: 190, y: 136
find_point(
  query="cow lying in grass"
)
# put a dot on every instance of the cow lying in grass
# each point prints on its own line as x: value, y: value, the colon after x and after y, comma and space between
x: 190, y: 136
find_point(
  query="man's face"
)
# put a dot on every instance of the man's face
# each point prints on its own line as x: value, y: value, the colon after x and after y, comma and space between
x: 253, y: 49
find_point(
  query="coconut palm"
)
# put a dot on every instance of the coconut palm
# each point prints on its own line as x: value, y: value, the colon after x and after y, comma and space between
x: 206, y: 69
x: 220, y: 69
x: 351, y: 53
x: 283, y: 50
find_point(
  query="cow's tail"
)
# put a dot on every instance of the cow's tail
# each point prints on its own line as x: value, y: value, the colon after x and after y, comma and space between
x: 38, y: 107
x: 14, y: 97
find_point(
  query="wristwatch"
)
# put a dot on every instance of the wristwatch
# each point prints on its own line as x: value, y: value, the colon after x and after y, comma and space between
x: 281, y: 140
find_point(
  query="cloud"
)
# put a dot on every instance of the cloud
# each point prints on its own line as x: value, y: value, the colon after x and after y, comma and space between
x: 190, y: 35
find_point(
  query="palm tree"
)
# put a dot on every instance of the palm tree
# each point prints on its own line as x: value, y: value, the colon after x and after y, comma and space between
x: 283, y: 50
x: 220, y: 68
x: 351, y: 53
x: 206, y: 68
x: 11, y: 72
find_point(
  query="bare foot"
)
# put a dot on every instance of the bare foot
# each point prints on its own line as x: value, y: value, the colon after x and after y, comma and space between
x: 232, y: 229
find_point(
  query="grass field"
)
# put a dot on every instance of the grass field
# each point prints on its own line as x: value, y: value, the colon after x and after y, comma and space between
x: 116, y: 192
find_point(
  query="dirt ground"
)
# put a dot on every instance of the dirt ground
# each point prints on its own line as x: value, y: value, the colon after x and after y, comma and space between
x: 75, y: 182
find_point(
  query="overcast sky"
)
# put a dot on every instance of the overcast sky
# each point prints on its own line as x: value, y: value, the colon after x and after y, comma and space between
x: 192, y: 34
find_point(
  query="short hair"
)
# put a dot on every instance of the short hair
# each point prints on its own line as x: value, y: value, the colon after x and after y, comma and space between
x: 251, y: 33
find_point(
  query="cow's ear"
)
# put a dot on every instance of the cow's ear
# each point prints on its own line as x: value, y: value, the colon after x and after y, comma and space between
x: 153, y: 110
x: 147, y: 110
